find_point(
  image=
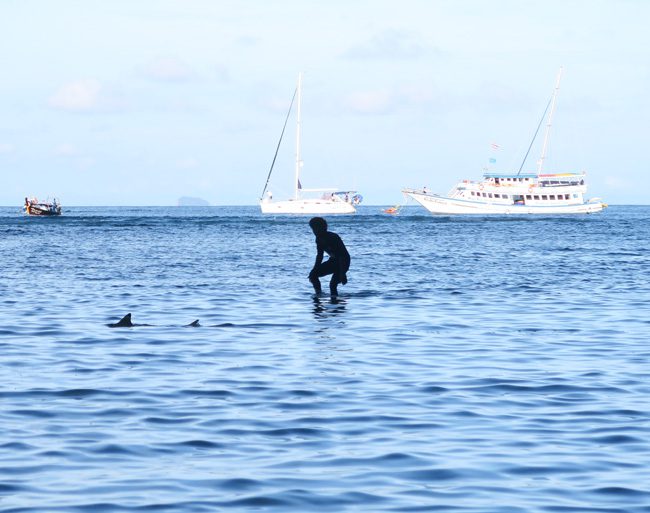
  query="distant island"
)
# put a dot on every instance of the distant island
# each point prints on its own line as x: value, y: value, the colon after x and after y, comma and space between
x: 188, y: 201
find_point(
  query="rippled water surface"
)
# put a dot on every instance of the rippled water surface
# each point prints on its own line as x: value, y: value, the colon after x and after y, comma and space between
x: 470, y: 365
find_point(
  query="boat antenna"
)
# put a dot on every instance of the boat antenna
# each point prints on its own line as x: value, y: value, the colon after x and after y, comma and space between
x: 551, y: 100
x: 548, y: 125
x: 279, y: 142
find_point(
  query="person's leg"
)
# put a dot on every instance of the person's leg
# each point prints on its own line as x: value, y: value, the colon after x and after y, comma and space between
x: 334, y: 284
x: 337, y: 278
x: 323, y: 269
x: 313, y: 278
x: 346, y: 268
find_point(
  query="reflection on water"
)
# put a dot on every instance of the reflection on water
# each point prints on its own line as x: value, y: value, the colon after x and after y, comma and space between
x: 329, y: 306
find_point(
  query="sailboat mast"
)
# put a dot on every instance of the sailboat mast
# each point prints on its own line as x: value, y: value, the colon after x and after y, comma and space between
x: 540, y: 164
x: 298, y: 130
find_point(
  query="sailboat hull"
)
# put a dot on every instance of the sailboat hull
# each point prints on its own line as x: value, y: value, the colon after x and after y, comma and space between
x: 307, y: 207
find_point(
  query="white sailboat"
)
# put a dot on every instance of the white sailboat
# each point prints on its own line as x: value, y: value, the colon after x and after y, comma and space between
x: 307, y: 201
x: 516, y: 193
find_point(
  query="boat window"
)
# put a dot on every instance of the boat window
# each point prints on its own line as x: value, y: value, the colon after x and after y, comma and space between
x: 567, y: 196
x: 504, y: 196
x: 551, y: 197
x: 528, y: 197
x: 536, y: 197
x: 544, y: 197
x: 575, y: 195
x: 489, y: 195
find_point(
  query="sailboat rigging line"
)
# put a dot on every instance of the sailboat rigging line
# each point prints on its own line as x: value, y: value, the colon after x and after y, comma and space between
x: 279, y: 142
x: 536, y: 132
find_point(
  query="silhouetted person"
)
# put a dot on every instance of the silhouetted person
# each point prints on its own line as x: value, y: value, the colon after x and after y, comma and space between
x: 338, y: 262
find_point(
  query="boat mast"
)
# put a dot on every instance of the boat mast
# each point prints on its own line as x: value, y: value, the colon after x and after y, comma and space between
x: 298, y: 129
x: 540, y: 164
x: 277, y: 148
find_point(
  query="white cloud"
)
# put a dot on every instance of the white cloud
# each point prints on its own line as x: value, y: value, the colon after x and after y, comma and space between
x: 80, y: 96
x: 388, y: 100
x: 85, y: 163
x: 391, y: 44
x: 187, y: 163
x: 6, y: 148
x: 167, y: 69
x: 222, y: 73
x: 66, y: 150
x: 247, y: 41
x: 277, y: 104
x: 371, y: 102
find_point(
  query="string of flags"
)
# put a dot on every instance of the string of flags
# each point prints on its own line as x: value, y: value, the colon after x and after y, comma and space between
x: 495, y: 147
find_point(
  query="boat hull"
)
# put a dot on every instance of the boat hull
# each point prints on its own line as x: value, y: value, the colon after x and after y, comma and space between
x: 307, y: 207
x: 446, y: 206
x: 42, y: 210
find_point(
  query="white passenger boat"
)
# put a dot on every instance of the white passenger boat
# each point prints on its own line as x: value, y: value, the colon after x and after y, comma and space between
x: 307, y: 201
x: 516, y: 192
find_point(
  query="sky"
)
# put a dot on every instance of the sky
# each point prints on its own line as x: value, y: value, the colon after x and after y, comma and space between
x: 143, y: 102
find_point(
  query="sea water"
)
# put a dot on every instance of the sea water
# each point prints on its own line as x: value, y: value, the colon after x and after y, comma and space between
x: 471, y: 364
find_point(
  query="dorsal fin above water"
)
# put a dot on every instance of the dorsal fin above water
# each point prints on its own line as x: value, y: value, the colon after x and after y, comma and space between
x: 124, y: 322
x: 194, y: 324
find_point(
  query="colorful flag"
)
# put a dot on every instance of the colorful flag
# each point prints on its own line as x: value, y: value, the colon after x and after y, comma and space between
x: 495, y: 146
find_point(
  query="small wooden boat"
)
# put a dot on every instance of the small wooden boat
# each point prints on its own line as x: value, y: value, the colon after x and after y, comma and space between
x: 33, y: 207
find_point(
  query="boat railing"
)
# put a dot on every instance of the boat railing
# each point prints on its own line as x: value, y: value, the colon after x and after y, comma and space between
x: 560, y: 183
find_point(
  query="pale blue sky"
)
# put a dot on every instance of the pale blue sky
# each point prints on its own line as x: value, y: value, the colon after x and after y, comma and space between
x: 140, y: 102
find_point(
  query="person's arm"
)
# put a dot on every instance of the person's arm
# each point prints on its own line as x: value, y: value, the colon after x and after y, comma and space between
x: 319, y: 256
